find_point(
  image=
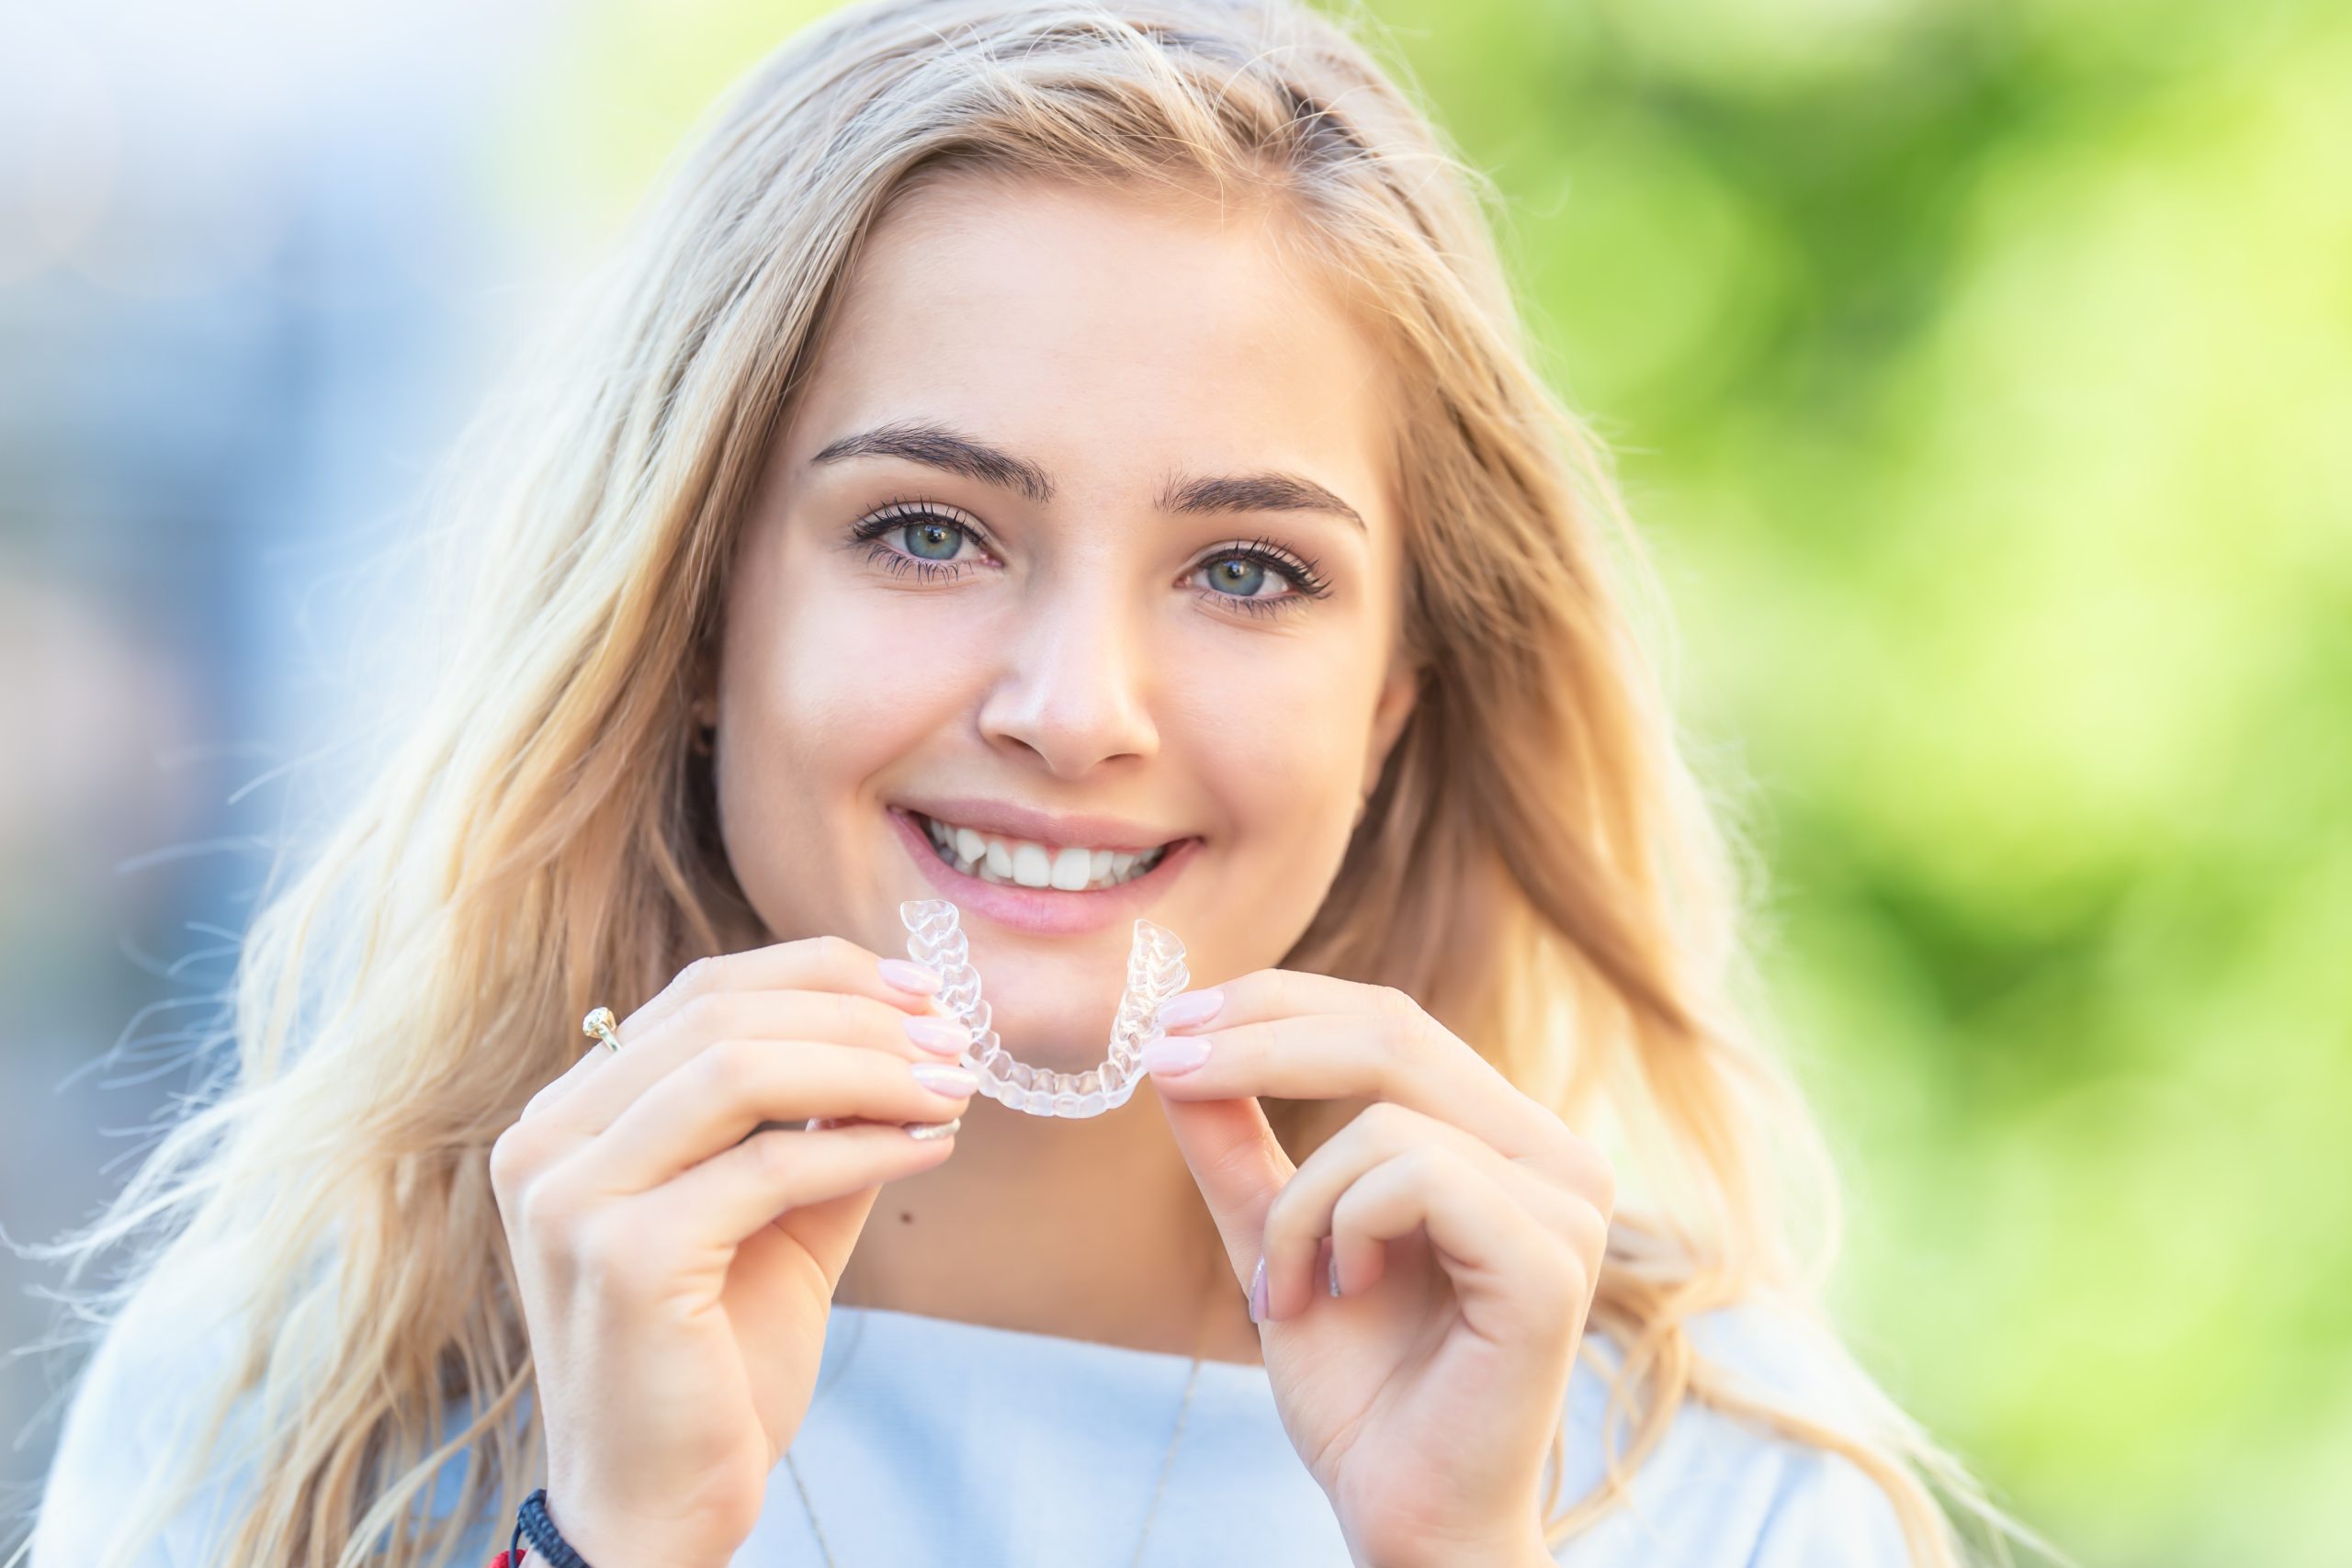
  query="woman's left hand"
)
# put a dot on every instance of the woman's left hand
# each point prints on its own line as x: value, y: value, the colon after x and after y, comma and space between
x: 1465, y: 1223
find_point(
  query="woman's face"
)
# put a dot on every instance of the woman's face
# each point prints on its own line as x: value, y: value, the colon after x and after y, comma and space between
x: 1080, y: 538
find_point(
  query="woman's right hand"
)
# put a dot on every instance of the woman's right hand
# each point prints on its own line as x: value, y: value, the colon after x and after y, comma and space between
x: 677, y: 1264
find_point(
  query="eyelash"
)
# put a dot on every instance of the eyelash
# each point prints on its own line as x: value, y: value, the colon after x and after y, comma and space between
x: 871, y: 530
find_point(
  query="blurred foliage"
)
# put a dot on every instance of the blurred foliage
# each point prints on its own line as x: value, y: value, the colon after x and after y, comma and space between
x: 1983, y: 375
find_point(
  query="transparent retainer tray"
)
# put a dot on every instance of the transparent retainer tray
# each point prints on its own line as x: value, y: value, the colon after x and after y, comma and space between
x: 1155, y: 972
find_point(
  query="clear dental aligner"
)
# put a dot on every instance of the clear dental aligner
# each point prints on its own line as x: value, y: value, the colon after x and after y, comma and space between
x: 1155, y: 972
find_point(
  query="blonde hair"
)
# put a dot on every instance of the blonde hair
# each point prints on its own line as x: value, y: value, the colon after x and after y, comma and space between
x: 1536, y: 864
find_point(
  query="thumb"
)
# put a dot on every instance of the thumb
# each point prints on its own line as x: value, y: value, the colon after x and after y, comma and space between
x: 829, y: 1231
x: 1238, y: 1165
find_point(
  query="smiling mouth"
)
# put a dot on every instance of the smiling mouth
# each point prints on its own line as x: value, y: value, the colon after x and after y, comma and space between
x: 1024, y: 863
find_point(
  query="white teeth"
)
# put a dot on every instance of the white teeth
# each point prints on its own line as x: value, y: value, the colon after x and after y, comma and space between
x: 1070, y: 869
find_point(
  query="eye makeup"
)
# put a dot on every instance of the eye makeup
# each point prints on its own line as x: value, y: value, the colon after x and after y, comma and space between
x: 915, y: 518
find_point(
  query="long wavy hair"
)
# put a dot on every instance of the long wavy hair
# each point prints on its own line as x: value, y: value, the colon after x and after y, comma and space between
x: 1537, y: 864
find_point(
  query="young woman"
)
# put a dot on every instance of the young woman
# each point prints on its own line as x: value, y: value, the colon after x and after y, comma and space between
x: 1082, y: 464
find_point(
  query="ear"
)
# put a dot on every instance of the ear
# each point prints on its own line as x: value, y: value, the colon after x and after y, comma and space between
x: 1397, y: 695
x: 701, y: 690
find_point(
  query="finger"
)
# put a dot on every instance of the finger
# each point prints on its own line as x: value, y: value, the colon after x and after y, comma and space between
x: 725, y: 1199
x: 721, y: 1095
x: 1274, y: 993
x: 1238, y: 1165
x: 812, y: 963
x: 1405, y: 1057
x: 557, y: 1089
x: 674, y: 1041
x: 1511, y: 1276
x: 1299, y: 1220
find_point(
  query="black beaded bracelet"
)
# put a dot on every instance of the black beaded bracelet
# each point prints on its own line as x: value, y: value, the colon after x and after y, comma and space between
x: 532, y: 1524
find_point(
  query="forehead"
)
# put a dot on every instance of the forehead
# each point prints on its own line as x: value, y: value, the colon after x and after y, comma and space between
x: 1104, y: 334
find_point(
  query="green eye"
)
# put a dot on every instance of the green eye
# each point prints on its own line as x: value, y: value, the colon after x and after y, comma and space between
x: 913, y: 537
x: 1237, y: 574
x: 946, y: 535
x: 1245, y: 577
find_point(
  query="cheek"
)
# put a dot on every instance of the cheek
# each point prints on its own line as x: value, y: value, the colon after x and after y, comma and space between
x: 1283, y: 743
x: 829, y: 686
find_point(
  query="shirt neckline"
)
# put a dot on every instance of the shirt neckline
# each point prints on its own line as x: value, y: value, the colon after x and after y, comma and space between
x: 981, y: 1338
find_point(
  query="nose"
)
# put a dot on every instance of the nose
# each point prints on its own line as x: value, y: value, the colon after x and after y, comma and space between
x: 1074, y: 685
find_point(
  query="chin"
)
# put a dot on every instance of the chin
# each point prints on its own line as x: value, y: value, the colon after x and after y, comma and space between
x: 1054, y: 1012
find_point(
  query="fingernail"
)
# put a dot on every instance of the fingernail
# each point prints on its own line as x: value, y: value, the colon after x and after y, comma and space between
x: 1258, y: 1292
x: 1335, y: 1273
x: 926, y: 1131
x: 1165, y: 1058
x: 908, y: 975
x: 1189, y: 1008
x: 938, y: 1034
x: 941, y: 1078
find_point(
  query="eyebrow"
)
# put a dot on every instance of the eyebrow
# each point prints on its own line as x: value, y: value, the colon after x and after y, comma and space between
x: 936, y: 446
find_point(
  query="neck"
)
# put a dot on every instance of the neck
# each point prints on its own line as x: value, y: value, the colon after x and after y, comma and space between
x: 1086, y: 1228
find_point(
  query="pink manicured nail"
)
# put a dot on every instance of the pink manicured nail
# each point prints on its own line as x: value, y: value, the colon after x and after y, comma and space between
x: 1258, y: 1293
x: 938, y: 1035
x: 1165, y: 1057
x: 1189, y: 1008
x: 941, y: 1078
x: 908, y: 975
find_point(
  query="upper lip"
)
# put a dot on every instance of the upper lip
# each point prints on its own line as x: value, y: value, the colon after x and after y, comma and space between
x: 1051, y: 828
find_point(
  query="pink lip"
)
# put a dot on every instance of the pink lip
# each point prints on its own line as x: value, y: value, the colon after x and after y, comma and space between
x: 1050, y: 828
x: 1046, y: 911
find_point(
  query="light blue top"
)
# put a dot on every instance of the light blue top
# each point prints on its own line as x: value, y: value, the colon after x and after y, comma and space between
x: 932, y: 1441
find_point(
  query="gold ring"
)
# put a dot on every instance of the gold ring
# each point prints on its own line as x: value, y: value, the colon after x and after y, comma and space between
x: 599, y: 1024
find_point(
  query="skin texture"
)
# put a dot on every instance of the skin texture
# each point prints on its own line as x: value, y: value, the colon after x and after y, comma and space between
x: 1076, y: 664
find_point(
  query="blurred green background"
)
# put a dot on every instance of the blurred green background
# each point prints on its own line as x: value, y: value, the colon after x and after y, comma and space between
x: 1983, y: 376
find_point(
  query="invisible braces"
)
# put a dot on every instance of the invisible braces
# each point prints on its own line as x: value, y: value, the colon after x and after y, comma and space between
x: 1155, y: 972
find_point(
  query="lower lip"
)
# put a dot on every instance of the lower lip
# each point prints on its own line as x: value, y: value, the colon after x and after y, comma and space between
x: 1046, y: 911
